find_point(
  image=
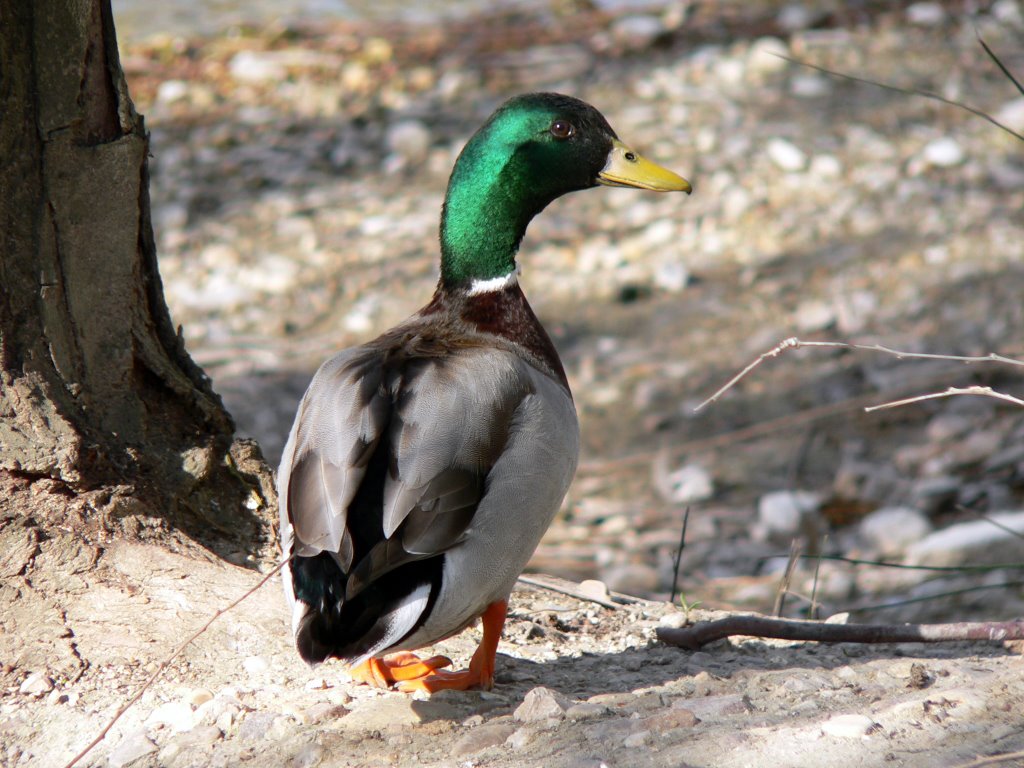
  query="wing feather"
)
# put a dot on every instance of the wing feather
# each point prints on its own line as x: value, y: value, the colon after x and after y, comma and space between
x: 424, y: 430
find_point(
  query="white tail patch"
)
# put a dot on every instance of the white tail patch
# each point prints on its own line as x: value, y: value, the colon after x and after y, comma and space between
x: 398, y: 622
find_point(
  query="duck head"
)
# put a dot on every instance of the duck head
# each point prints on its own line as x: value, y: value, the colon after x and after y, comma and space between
x: 532, y: 150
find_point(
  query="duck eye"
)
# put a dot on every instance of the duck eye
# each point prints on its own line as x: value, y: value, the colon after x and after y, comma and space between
x: 562, y: 129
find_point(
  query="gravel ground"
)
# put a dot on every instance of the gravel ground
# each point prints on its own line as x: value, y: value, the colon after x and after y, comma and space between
x: 297, y: 186
x: 297, y: 180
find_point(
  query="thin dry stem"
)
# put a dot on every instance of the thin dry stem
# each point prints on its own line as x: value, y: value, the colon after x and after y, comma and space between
x: 1005, y: 757
x: 787, y: 577
x: 918, y: 92
x: 950, y: 392
x: 166, y: 662
x: 795, y: 343
x: 567, y: 589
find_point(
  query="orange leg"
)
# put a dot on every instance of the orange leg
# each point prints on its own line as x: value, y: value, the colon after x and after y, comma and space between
x: 383, y: 673
x: 481, y: 666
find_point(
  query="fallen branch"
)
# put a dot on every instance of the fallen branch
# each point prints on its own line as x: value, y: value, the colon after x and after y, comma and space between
x: 1005, y: 757
x: 166, y: 662
x: 701, y: 634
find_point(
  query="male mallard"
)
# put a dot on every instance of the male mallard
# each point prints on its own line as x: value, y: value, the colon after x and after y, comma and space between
x: 424, y: 466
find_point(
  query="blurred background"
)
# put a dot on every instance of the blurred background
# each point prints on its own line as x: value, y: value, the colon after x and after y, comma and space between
x: 300, y: 156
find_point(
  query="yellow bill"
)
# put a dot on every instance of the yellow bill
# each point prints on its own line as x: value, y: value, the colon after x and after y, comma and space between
x: 626, y: 168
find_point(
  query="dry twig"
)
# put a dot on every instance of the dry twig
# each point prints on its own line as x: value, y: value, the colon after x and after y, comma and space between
x: 794, y: 343
x: 569, y: 589
x: 787, y: 577
x: 927, y: 94
x: 679, y: 556
x: 1005, y: 757
x: 701, y: 634
x: 166, y: 662
x: 950, y: 392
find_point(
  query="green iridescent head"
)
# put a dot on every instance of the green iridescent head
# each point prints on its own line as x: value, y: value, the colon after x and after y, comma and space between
x: 532, y: 150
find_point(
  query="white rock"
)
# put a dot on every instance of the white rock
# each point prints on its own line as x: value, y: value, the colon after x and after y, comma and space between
x: 586, y: 711
x: 255, y: 665
x: 926, y: 14
x: 638, y: 739
x: 854, y: 309
x: 199, y: 696
x: 134, y: 747
x: 170, y: 91
x: 521, y: 738
x: 796, y: 17
x: 169, y: 753
x: 814, y: 315
x: 541, y: 704
x: 410, y: 140
x: 672, y: 276
x: 176, y: 715
x: 708, y: 707
x: 637, y: 32
x: 1011, y: 114
x: 359, y: 318
x: 943, y: 153
x: 890, y: 530
x: 674, y: 620
x: 825, y: 167
x: 37, y: 684
x: 222, y: 711
x: 977, y: 541
x: 781, y: 512
x: 688, y: 484
x: 848, y: 726
x: 786, y: 155
x: 1008, y: 12
x: 481, y: 738
x: 256, y: 67
x: 734, y: 202
x: 765, y: 57
x: 594, y: 589
x: 809, y: 86
x: 729, y: 70
x: 309, y: 756
x: 660, y: 232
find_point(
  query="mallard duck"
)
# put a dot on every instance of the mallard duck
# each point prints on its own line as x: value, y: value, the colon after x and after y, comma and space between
x: 424, y: 466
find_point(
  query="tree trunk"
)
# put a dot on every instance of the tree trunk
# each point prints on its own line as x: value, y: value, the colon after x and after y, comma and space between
x: 107, y: 427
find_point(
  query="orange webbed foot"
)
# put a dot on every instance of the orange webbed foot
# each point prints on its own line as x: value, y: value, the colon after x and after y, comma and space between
x: 481, y: 667
x: 408, y: 673
x: 384, y: 673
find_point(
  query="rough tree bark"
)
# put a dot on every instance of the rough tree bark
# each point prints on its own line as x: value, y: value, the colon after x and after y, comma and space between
x: 107, y: 428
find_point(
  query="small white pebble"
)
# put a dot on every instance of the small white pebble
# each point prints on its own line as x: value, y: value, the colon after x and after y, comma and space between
x: 674, y: 620
x: 254, y: 665
x: 786, y: 155
x: 637, y: 739
x: 926, y: 14
x: 849, y: 726
x: 199, y: 696
x: 943, y: 153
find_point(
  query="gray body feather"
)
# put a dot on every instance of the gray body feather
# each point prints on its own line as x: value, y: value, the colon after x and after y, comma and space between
x: 482, y: 446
